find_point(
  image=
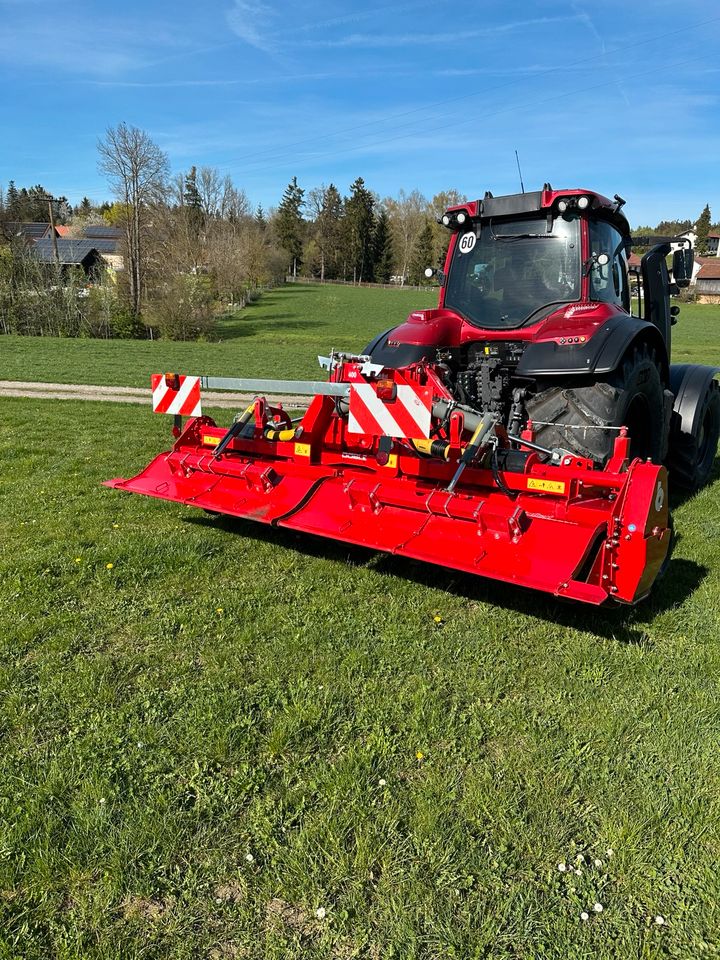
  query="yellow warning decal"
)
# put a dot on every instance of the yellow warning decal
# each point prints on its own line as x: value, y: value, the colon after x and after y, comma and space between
x: 548, y: 486
x: 302, y: 449
x: 392, y: 460
x: 209, y: 441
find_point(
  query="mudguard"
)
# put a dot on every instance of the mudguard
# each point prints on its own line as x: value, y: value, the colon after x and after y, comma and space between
x: 689, y: 383
x: 602, y: 353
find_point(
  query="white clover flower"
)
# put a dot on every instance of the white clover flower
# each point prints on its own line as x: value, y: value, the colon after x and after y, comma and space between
x: 659, y: 920
x: 250, y: 858
x: 579, y: 858
x: 598, y: 863
x: 320, y: 913
x: 382, y: 782
x: 562, y: 867
x: 584, y: 915
x: 609, y: 853
x: 598, y: 907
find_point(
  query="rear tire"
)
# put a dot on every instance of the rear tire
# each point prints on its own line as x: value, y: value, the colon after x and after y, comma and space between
x: 575, y: 417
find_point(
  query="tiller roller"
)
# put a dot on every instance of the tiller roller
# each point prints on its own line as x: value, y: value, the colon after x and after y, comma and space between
x: 388, y: 459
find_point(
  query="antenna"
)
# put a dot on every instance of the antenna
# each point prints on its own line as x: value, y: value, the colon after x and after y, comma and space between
x: 517, y: 160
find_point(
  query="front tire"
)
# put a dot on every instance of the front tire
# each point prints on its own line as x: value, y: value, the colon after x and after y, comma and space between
x: 585, y: 417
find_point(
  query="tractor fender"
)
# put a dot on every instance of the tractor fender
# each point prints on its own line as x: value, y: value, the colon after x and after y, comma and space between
x: 689, y: 382
x: 602, y: 353
x: 400, y: 355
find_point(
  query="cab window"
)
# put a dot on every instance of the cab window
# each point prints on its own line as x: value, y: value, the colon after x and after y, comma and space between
x: 608, y: 281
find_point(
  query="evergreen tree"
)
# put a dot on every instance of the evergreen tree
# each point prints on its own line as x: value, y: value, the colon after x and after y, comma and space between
x: 260, y: 219
x: 360, y: 230
x: 422, y: 255
x: 12, y: 202
x: 384, y: 255
x: 329, y: 232
x: 191, y: 194
x: 289, y: 224
x: 703, y: 229
x: 85, y: 208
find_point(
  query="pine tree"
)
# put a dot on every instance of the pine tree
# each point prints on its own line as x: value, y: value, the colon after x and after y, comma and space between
x: 12, y: 202
x: 329, y: 232
x: 702, y: 230
x: 360, y: 229
x: 260, y: 219
x: 191, y: 194
x: 289, y: 224
x: 384, y: 255
x: 85, y: 208
x: 422, y: 255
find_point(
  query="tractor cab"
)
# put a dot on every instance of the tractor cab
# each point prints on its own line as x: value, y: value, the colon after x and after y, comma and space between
x: 515, y: 260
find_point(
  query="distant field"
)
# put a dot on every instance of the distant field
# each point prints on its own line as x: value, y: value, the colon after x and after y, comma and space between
x: 280, y: 335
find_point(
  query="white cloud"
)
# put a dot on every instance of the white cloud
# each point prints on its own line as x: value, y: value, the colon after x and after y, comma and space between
x: 252, y: 21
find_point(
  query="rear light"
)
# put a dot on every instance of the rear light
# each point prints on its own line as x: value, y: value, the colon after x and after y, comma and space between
x: 386, y: 390
x: 172, y: 381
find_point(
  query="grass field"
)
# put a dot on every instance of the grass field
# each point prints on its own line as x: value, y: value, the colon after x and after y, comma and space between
x: 225, y: 741
x: 280, y: 335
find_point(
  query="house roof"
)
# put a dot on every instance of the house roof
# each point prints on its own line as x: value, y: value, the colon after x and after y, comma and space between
x: 62, y: 231
x: 710, y: 269
x: 634, y: 261
x: 105, y: 245
x: 714, y: 236
x: 29, y: 230
x: 99, y: 230
x: 70, y: 251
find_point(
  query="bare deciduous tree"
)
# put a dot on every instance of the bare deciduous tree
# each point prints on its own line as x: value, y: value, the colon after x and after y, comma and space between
x: 137, y: 169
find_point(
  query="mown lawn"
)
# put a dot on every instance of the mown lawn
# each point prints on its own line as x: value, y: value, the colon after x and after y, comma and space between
x: 212, y: 731
x: 280, y: 335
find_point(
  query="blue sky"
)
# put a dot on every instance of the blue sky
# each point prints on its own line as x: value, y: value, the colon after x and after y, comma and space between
x: 619, y: 97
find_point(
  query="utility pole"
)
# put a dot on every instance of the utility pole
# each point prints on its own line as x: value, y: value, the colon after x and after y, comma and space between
x: 53, y: 234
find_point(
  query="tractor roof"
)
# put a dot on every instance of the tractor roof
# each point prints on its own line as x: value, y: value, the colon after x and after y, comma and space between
x: 540, y: 201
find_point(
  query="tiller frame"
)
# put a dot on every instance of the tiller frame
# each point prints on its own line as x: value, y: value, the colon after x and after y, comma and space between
x: 446, y: 484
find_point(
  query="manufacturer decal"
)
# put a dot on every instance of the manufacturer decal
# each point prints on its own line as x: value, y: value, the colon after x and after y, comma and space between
x: 659, y: 497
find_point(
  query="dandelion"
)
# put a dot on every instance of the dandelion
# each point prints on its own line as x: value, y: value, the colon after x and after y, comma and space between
x: 562, y: 867
x: 382, y: 782
x: 420, y: 755
x: 116, y: 526
x: 109, y: 566
x: 584, y: 916
x: 320, y: 913
x: 250, y: 858
x: 598, y: 907
x: 659, y: 920
x: 437, y: 618
x: 78, y: 559
x: 219, y: 610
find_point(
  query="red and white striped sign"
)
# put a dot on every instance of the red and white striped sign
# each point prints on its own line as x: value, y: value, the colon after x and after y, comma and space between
x: 408, y: 415
x: 184, y: 401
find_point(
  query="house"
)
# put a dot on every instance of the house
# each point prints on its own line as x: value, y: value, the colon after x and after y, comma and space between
x: 707, y: 284
x: 27, y: 232
x: 62, y: 231
x: 713, y: 244
x: 70, y: 253
x: 108, y: 241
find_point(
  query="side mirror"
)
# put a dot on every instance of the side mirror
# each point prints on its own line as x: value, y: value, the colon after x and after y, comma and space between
x: 683, y: 264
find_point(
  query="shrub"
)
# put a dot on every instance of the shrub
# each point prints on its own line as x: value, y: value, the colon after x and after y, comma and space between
x: 183, y: 309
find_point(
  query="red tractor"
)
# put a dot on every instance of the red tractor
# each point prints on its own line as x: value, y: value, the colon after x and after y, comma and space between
x: 520, y: 430
x: 535, y: 322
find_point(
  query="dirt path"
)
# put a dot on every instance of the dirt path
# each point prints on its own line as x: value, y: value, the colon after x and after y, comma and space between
x: 80, y: 391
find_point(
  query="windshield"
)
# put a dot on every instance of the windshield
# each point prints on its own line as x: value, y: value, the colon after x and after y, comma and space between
x: 502, y: 273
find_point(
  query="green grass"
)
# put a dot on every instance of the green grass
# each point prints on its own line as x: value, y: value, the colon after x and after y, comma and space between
x: 224, y: 690
x: 280, y: 335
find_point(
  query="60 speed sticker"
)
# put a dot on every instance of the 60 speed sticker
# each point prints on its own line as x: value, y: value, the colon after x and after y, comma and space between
x: 467, y: 242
